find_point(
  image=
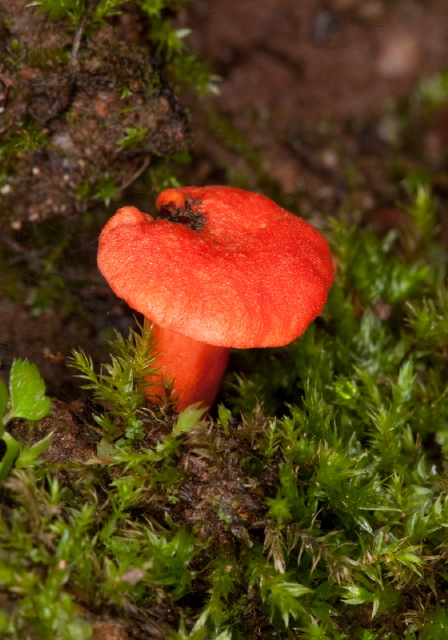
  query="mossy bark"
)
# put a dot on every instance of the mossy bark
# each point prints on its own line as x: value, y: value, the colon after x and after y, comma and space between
x: 83, y: 111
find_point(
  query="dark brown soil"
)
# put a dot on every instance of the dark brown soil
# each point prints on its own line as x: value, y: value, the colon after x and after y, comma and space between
x: 309, y: 87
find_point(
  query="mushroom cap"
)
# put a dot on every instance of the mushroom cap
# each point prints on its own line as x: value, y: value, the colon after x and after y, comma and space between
x: 251, y: 274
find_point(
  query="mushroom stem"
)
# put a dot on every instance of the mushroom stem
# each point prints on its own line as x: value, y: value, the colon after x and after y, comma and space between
x: 196, y: 368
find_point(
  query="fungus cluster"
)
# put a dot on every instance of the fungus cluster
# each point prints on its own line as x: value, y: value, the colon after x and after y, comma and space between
x: 220, y: 268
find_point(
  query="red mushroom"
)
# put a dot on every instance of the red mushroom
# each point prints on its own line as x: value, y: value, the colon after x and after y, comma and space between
x: 221, y: 268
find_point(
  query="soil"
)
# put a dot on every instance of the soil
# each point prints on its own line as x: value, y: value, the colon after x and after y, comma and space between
x: 311, y: 87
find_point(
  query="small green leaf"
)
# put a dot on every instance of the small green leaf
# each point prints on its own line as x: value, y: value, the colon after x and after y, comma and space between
x: 29, y: 452
x: 12, y: 451
x: 357, y: 595
x: 27, y: 391
x: 189, y: 418
x: 224, y: 415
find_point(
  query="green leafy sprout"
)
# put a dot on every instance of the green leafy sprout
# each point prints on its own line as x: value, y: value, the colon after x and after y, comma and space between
x: 122, y: 383
x: 26, y: 399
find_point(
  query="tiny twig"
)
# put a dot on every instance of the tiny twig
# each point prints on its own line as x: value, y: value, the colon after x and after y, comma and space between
x: 75, y: 47
x: 137, y: 174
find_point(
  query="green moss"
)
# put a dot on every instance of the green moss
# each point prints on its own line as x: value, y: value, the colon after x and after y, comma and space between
x: 132, y: 138
x: 77, y: 10
x: 27, y: 138
x: 191, y: 72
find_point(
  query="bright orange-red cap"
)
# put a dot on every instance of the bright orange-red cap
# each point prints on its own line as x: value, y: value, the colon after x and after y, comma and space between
x: 227, y: 267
